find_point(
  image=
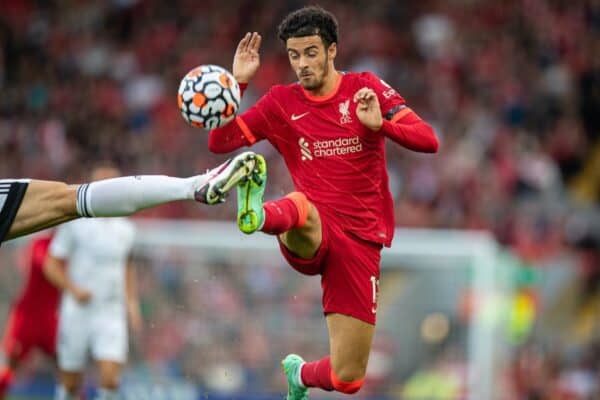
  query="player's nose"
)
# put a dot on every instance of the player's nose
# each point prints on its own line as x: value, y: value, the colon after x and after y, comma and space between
x: 303, y: 64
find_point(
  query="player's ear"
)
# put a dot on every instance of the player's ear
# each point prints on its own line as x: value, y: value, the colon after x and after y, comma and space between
x: 332, y: 50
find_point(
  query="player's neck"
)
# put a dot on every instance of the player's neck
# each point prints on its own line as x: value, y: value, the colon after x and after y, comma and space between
x: 331, y: 83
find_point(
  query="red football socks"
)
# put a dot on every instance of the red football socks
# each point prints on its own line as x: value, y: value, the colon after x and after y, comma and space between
x: 346, y: 387
x: 286, y: 213
x: 318, y: 374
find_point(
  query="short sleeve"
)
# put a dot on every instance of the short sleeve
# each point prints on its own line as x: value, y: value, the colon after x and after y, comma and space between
x: 63, y: 242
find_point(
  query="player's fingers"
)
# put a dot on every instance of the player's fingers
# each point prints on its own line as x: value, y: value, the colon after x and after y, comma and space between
x: 361, y: 94
x: 358, y: 95
x: 258, y: 42
x: 254, y: 41
x: 243, y: 44
x: 370, y: 96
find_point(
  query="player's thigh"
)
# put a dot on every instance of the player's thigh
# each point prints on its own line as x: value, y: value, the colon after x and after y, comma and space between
x: 350, y: 277
x: 350, y: 344
x: 73, y: 341
x: 110, y: 339
x: 45, y: 204
x: 305, y: 241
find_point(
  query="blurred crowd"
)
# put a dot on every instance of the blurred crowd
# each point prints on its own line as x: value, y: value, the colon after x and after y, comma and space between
x: 511, y: 89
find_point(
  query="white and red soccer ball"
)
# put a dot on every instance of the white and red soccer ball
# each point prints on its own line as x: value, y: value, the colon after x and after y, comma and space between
x: 208, y: 96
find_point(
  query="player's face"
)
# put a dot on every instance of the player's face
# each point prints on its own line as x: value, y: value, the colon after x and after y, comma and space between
x: 310, y: 60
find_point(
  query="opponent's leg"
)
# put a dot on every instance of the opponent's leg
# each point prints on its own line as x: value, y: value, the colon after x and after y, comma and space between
x: 127, y: 195
x: 49, y: 203
x: 45, y: 204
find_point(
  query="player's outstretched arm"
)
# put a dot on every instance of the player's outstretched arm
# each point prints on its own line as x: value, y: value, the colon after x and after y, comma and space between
x: 245, y: 64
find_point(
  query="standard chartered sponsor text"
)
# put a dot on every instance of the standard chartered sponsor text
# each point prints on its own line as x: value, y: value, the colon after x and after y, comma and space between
x: 337, y: 147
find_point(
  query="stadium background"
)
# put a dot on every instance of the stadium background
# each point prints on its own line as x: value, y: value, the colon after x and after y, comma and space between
x: 511, y: 88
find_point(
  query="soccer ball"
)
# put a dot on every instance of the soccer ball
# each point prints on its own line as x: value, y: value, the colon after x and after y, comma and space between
x: 208, y: 96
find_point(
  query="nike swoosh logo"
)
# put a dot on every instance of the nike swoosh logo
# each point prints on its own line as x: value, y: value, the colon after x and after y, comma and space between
x: 297, y: 117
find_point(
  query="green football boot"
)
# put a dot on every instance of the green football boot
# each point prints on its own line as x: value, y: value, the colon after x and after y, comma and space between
x: 291, y: 366
x: 250, y: 192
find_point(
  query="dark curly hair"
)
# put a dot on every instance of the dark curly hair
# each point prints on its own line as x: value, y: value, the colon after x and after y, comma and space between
x: 308, y: 21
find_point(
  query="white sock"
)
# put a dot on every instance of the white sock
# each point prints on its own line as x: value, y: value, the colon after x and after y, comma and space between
x: 62, y: 394
x: 299, y: 377
x: 124, y: 196
x: 106, y: 394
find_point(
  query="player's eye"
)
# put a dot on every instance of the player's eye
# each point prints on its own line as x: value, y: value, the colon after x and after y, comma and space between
x: 293, y: 56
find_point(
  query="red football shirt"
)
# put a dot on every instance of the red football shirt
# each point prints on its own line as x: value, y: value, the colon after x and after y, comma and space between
x: 38, y: 295
x: 336, y: 161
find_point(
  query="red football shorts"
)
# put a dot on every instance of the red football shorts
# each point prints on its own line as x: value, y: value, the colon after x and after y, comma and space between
x: 349, y: 269
x: 28, y: 330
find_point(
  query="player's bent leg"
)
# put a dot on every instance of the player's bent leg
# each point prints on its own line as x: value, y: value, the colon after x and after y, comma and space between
x: 45, y: 204
x: 304, y: 241
x: 343, y: 371
x: 350, y: 342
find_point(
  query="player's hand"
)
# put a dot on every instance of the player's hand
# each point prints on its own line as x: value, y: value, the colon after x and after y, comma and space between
x: 81, y: 295
x: 368, y: 110
x: 247, y: 59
